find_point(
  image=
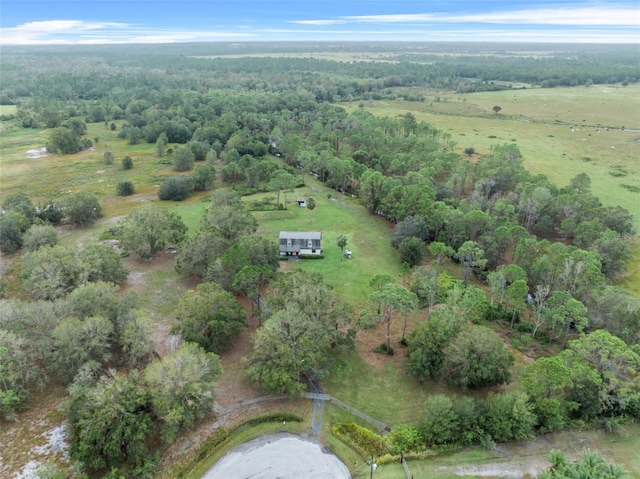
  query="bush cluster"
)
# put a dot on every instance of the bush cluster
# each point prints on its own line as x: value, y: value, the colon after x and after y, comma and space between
x: 175, y: 188
x: 360, y: 438
x: 446, y: 423
x: 311, y: 256
x: 384, y: 349
x: 22, y: 222
x: 125, y: 188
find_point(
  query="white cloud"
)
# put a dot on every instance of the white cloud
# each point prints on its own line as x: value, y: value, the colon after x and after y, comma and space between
x: 67, y: 26
x: 55, y: 32
x: 318, y: 22
x: 570, y: 16
x: 581, y: 16
x: 50, y: 30
x: 462, y: 34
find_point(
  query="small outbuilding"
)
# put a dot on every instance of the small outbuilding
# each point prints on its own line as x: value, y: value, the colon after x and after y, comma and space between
x: 294, y: 243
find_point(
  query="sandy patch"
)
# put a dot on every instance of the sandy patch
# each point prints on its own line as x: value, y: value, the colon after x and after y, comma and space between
x: 37, y: 153
x: 38, y: 437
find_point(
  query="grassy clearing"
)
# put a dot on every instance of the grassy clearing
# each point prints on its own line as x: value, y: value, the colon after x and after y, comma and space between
x: 84, y: 171
x: 385, y: 391
x: 368, y: 237
x: 8, y: 109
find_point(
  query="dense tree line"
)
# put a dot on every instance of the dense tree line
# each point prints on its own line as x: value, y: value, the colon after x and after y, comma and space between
x: 24, y: 224
x: 50, y: 96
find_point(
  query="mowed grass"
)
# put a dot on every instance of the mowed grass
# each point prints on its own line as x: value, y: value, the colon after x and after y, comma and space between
x: 368, y: 238
x: 560, y: 132
x: 384, y: 391
x: 8, y: 109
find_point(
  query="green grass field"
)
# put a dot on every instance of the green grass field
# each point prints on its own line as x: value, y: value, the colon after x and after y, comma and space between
x: 53, y: 176
x: 8, y: 109
x: 368, y: 238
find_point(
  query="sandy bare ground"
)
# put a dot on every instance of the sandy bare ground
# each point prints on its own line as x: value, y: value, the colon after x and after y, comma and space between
x: 37, y: 153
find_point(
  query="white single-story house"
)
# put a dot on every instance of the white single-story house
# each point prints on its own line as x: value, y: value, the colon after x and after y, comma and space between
x: 294, y: 243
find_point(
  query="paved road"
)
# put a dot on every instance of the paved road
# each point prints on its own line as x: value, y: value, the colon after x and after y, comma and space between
x: 316, y: 419
x: 279, y: 455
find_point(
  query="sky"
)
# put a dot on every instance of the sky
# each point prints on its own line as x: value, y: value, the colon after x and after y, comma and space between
x: 26, y: 22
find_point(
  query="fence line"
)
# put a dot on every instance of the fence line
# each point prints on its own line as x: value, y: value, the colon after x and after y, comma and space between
x: 406, y: 469
x: 327, y: 397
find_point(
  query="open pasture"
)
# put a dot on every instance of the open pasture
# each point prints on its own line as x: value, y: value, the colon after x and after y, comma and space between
x: 561, y: 132
x: 52, y: 176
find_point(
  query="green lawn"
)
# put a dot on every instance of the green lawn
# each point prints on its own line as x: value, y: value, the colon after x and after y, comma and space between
x: 368, y: 237
x: 8, y: 109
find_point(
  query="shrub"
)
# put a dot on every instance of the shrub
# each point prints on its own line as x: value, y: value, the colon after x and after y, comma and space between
x: 383, y: 348
x: 440, y: 422
x: 404, y: 438
x: 20, y: 203
x: 50, y: 212
x: 508, y: 416
x: 82, y: 208
x: 127, y: 163
x: 524, y: 327
x: 410, y: 227
x: 496, y: 312
x: 475, y: 358
x: 125, y: 188
x: 107, y: 158
x: 63, y: 141
x: 176, y: 188
x: 360, y: 438
x: 411, y: 251
x: 38, y: 236
x: 203, y: 177
x: 468, y: 417
x: 12, y: 225
x: 183, y: 158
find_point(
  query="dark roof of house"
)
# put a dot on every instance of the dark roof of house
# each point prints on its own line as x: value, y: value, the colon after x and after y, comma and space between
x: 301, y: 235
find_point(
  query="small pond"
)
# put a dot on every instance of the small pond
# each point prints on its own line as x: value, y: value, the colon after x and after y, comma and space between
x: 278, y: 456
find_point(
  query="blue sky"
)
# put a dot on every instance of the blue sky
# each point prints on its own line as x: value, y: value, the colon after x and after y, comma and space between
x: 147, y: 21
